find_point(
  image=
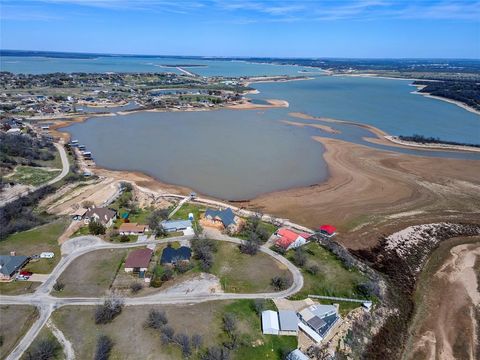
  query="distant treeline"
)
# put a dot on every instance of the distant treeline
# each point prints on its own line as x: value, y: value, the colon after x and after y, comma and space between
x: 465, y: 91
x: 433, y: 140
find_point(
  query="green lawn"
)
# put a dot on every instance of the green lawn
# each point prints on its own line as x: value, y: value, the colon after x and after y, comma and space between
x: 267, y: 227
x: 187, y: 208
x: 255, y: 345
x: 332, y: 279
x: 244, y: 273
x: 35, y: 176
x: 34, y: 241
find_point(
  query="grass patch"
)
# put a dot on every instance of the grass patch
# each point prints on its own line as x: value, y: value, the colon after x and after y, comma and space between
x: 35, y: 176
x: 332, y: 279
x: 15, y: 322
x: 34, y: 241
x: 255, y: 345
x: 91, y: 274
x: 244, y: 273
x: 82, y: 231
x: 18, y: 287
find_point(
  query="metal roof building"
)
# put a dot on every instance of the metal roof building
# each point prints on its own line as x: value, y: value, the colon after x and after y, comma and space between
x: 176, y: 225
x: 11, y: 264
x: 288, y: 321
x: 270, y: 322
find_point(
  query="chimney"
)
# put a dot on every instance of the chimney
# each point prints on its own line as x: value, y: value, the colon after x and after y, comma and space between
x: 13, y: 253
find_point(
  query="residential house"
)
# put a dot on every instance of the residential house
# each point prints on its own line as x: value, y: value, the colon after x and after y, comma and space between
x: 137, y: 261
x: 11, y: 264
x: 289, y: 239
x: 176, y: 225
x: 104, y: 216
x: 172, y: 256
x: 222, y: 219
x: 132, y: 229
x: 317, y: 320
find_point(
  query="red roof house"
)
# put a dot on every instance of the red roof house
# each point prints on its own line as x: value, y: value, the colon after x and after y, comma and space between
x: 138, y: 260
x: 328, y: 230
x: 289, y: 239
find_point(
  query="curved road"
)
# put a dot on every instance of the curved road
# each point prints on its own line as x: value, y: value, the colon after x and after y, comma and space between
x: 79, y: 246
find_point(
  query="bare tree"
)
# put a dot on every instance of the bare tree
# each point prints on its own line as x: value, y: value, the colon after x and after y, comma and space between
x: 216, y: 353
x: 156, y: 319
x: 197, y: 341
x: 111, y: 308
x: 135, y: 287
x: 45, y: 349
x: 104, y: 347
x: 184, y: 341
x: 167, y: 334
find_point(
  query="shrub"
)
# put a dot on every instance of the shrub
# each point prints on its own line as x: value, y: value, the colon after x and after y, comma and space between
x: 167, y: 334
x: 58, y: 286
x: 124, y: 238
x: 110, y: 309
x: 197, y: 341
x: 135, y: 287
x: 104, y: 347
x: 299, y: 258
x: 167, y: 274
x: 216, y: 353
x: 96, y: 228
x: 183, y: 266
x: 313, y: 269
x: 156, y: 319
x: 184, y: 341
x: 280, y: 282
x: 45, y: 349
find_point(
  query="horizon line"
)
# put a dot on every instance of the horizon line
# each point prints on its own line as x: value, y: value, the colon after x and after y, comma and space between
x: 242, y: 57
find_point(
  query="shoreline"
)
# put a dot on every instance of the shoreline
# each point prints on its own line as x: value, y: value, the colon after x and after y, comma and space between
x: 387, y: 139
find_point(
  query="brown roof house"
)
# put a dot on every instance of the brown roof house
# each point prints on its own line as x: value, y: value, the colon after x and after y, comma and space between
x: 138, y: 260
x: 132, y: 229
x: 104, y: 216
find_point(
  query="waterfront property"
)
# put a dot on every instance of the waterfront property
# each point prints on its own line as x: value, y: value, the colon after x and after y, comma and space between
x: 10, y: 265
x: 137, y: 261
x: 327, y: 231
x: 317, y: 320
x: 289, y: 239
x: 222, y: 219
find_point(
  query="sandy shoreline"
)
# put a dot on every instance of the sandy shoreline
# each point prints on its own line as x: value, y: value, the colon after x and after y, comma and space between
x: 384, y: 138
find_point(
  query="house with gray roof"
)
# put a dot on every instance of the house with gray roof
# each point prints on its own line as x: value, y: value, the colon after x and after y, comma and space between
x: 224, y: 219
x: 176, y: 225
x: 9, y: 265
x: 317, y: 320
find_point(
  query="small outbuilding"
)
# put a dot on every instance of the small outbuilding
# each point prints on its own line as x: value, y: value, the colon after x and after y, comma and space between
x: 270, y: 324
x: 327, y: 231
x: 288, y: 322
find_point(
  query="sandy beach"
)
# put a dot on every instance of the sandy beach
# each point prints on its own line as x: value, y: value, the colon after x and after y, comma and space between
x: 272, y: 103
x: 325, y: 128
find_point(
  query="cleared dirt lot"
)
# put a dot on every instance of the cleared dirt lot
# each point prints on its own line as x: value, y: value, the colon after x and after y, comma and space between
x: 15, y: 321
x: 91, y: 274
x: 445, y: 325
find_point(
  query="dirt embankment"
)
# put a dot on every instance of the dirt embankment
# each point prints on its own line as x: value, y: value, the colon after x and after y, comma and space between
x: 371, y: 192
x: 447, y: 315
x: 400, y: 257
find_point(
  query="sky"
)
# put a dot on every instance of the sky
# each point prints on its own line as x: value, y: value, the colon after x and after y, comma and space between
x: 269, y: 28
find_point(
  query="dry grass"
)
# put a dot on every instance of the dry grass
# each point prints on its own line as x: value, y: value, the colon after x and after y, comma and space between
x: 243, y: 273
x: 15, y: 321
x: 18, y: 287
x: 91, y: 274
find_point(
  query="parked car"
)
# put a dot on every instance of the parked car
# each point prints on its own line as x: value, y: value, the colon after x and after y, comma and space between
x: 47, y: 255
x: 35, y: 257
x: 21, y: 277
x: 26, y: 273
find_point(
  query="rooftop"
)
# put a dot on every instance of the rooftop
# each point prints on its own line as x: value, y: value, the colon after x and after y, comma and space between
x: 171, y: 255
x: 9, y: 264
x: 226, y: 216
x: 139, y: 258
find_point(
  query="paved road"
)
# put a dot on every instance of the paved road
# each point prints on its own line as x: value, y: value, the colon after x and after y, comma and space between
x: 79, y: 246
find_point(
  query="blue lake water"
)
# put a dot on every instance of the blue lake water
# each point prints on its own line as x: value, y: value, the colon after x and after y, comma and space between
x: 234, y: 154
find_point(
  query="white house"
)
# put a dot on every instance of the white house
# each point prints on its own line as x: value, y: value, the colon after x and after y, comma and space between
x: 270, y: 322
